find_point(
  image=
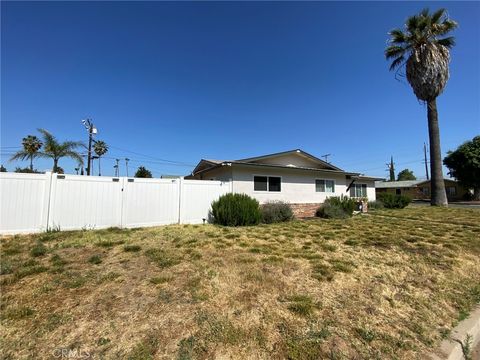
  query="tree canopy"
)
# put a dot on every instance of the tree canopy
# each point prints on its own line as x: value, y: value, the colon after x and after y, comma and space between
x: 423, y: 48
x: 406, y: 174
x: 464, y: 164
x: 31, y: 145
x: 56, y: 150
x: 143, y: 172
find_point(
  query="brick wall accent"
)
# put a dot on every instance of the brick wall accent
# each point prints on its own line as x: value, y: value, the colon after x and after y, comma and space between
x: 308, y: 210
x: 304, y: 210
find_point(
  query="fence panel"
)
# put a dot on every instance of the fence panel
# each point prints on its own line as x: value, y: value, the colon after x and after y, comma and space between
x: 23, y: 202
x: 85, y: 202
x: 197, y: 196
x: 150, y: 202
x: 35, y: 202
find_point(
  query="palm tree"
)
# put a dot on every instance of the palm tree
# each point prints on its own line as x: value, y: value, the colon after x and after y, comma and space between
x: 100, y: 149
x: 423, y: 49
x: 56, y: 150
x: 31, y: 144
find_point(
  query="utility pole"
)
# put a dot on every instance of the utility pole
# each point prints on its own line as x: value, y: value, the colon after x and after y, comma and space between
x: 126, y: 164
x: 116, y: 168
x: 326, y: 157
x: 92, y: 130
x: 425, y: 159
x: 391, y: 169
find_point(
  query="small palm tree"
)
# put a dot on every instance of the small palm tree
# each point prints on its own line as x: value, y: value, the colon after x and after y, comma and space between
x: 100, y: 148
x: 423, y: 50
x: 56, y: 150
x: 31, y: 145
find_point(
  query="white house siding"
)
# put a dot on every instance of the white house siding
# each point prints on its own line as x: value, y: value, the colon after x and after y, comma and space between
x: 371, y: 195
x: 297, y: 186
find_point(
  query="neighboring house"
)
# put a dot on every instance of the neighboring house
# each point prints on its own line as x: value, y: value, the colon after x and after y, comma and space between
x: 295, y: 176
x: 420, y: 189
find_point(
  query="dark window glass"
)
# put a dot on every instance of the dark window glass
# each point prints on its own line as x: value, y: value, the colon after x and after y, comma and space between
x: 320, y: 185
x: 260, y: 183
x: 274, y: 184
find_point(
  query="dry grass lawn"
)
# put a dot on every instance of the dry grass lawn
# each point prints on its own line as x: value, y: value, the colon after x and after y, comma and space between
x: 389, y: 285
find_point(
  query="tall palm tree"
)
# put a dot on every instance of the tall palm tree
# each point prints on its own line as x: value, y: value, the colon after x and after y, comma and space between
x: 100, y: 149
x: 56, y: 150
x: 423, y: 49
x: 31, y: 144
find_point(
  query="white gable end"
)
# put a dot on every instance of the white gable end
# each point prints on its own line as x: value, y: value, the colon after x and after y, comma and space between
x: 291, y: 160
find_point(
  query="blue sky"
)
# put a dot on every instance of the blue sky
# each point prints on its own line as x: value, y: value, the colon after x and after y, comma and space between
x: 183, y: 81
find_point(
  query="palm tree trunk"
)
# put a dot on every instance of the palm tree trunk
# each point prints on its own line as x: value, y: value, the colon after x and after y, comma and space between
x: 31, y: 163
x: 439, y: 196
x: 99, y: 172
x: 55, y: 165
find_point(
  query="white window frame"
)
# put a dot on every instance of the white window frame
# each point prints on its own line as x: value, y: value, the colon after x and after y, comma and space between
x: 361, y: 184
x: 325, y: 192
x: 268, y: 184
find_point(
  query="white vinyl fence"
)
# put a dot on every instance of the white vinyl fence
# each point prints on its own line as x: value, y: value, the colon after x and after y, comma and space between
x: 37, y: 202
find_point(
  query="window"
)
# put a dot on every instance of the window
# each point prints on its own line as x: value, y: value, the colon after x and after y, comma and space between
x: 267, y: 183
x: 451, y: 191
x: 325, y: 186
x: 274, y: 183
x: 426, y: 191
x: 260, y: 183
x: 358, y: 190
x: 398, y: 191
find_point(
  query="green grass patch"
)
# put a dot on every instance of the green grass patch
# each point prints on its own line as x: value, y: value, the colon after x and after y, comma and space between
x: 132, y: 248
x: 163, y: 258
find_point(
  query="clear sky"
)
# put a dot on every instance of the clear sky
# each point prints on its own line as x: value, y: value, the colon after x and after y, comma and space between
x: 184, y: 81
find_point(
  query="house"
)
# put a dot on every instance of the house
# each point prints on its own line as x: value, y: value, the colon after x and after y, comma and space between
x: 294, y: 176
x: 420, y: 189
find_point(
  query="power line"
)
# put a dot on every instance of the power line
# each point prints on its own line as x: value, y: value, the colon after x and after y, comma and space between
x: 151, y: 157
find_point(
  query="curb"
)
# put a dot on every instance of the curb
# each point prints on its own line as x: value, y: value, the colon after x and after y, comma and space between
x: 451, y: 349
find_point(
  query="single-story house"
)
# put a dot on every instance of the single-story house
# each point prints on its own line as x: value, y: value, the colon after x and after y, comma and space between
x: 294, y: 176
x: 420, y: 189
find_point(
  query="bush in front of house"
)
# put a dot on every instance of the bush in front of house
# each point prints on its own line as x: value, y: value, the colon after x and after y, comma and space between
x: 337, y: 208
x: 236, y: 210
x: 375, y: 205
x: 276, y: 211
x: 393, y: 201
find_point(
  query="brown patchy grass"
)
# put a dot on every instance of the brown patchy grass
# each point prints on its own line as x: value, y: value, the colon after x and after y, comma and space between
x: 389, y: 285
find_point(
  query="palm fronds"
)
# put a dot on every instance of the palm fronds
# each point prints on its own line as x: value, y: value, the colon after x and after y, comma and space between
x: 421, y: 29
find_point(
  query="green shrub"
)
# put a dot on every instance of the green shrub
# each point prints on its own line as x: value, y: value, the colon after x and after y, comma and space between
x: 372, y: 205
x: 38, y: 250
x: 337, y: 207
x: 392, y: 201
x: 236, y: 210
x: 276, y: 211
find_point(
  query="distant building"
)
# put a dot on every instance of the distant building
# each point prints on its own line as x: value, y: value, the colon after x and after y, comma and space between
x: 171, y: 177
x: 419, y: 189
